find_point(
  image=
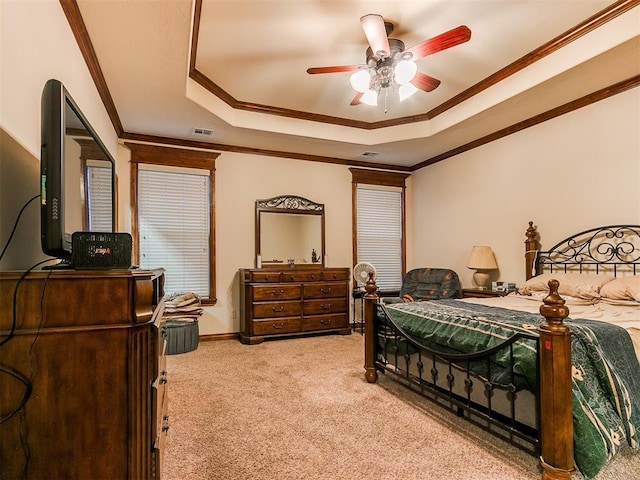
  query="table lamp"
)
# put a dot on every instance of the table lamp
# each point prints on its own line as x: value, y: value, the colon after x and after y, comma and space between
x: 482, y: 261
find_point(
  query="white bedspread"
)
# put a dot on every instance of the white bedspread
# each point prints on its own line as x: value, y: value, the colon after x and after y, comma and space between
x: 627, y: 317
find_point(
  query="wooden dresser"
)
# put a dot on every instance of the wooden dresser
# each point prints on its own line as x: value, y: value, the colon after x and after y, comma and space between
x: 293, y: 301
x: 87, y: 351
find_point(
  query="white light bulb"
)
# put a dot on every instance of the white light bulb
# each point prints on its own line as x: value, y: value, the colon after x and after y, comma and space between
x: 370, y: 98
x: 406, y: 90
x: 405, y: 70
x: 360, y: 80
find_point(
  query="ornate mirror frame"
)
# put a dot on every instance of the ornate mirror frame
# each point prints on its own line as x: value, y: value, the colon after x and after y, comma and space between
x: 277, y: 221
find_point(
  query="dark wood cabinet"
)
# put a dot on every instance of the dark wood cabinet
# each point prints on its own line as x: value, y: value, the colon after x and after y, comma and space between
x: 86, y: 350
x: 277, y: 303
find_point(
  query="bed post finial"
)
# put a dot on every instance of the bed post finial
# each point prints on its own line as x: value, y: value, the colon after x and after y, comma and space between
x: 370, y: 301
x: 556, y: 425
x: 530, y: 251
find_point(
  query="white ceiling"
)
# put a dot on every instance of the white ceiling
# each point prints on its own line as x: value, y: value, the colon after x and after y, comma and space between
x: 256, y: 53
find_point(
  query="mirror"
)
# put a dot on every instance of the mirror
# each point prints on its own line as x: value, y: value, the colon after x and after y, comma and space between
x: 289, y: 232
x: 88, y: 187
x: 88, y: 179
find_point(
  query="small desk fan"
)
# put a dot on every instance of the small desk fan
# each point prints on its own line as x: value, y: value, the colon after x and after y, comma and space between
x: 361, y: 273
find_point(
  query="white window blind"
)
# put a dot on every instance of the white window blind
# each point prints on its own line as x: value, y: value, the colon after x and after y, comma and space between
x: 173, y: 224
x: 99, y: 198
x: 379, y: 233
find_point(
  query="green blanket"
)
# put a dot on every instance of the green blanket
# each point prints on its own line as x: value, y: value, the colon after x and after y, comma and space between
x: 605, y: 370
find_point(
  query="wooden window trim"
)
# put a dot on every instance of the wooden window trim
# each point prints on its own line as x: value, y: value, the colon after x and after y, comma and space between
x: 175, y: 157
x: 361, y: 176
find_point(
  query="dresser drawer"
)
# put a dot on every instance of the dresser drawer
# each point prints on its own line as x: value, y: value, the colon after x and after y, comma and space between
x: 276, y: 326
x: 306, y: 276
x: 277, y: 309
x: 326, y: 290
x: 265, y: 277
x: 336, y: 274
x: 325, y: 306
x: 276, y: 292
x: 324, y: 322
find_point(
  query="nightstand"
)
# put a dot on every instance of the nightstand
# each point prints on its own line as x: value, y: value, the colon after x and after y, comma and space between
x: 481, y: 293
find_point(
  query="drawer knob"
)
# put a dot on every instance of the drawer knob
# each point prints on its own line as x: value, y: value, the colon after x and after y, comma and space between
x: 325, y: 290
x: 277, y: 310
x: 325, y: 306
x: 325, y: 321
x: 275, y: 293
x: 278, y: 326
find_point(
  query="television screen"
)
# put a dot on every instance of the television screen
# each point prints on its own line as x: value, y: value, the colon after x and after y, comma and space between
x: 77, y: 174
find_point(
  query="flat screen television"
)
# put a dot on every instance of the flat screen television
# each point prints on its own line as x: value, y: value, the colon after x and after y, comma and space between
x: 77, y: 175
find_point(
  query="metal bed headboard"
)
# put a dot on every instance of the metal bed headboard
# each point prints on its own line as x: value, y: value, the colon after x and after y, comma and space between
x: 614, y: 250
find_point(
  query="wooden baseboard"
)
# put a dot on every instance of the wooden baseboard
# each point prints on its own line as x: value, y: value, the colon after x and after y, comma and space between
x: 218, y: 336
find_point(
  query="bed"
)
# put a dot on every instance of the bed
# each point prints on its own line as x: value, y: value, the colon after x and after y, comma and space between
x: 564, y: 387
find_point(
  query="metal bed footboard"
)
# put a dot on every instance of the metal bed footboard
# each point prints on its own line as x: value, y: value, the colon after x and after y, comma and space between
x: 449, y: 380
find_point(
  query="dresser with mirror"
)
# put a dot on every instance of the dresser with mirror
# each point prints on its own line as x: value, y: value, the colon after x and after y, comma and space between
x: 291, y: 291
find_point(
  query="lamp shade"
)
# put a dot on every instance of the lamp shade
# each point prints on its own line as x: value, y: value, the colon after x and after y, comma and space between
x: 360, y: 80
x: 370, y: 98
x: 406, y: 90
x: 405, y: 70
x: 482, y: 258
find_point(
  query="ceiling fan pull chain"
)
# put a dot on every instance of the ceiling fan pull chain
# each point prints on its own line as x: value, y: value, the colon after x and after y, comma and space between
x: 386, y: 95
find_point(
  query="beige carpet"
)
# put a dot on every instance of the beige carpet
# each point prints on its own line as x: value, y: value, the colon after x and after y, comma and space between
x: 301, y: 409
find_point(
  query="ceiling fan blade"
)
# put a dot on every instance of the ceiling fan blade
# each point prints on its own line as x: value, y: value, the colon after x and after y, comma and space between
x: 445, y: 40
x: 356, y: 99
x: 425, y: 82
x: 336, y: 69
x: 376, y: 32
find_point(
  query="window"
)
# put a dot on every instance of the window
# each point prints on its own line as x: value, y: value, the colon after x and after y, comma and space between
x: 173, y: 228
x: 379, y: 239
x: 173, y: 210
x: 99, y: 198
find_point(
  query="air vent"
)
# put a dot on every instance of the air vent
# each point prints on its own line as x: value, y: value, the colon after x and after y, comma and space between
x: 203, y: 132
x: 369, y: 154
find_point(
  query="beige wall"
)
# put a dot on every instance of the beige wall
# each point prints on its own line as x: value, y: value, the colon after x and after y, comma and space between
x: 578, y: 171
x: 36, y: 44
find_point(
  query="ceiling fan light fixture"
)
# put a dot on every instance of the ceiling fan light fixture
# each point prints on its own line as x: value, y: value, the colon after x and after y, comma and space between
x: 370, y: 97
x: 405, y: 71
x: 360, y: 80
x: 406, y: 90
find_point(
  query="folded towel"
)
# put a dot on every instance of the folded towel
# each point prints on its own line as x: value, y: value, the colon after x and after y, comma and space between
x: 186, y: 305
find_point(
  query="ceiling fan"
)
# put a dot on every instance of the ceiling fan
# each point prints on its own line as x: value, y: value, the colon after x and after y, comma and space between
x: 390, y: 65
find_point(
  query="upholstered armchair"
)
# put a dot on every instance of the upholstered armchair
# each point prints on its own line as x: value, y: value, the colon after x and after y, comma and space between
x: 428, y: 284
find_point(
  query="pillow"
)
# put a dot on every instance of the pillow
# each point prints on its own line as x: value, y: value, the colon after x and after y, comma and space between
x: 624, y: 288
x: 581, y: 285
x: 568, y: 299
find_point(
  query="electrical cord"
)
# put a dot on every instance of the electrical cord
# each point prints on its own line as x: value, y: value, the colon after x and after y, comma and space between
x: 27, y: 390
x: 15, y: 225
x: 13, y: 373
x: 14, y: 320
